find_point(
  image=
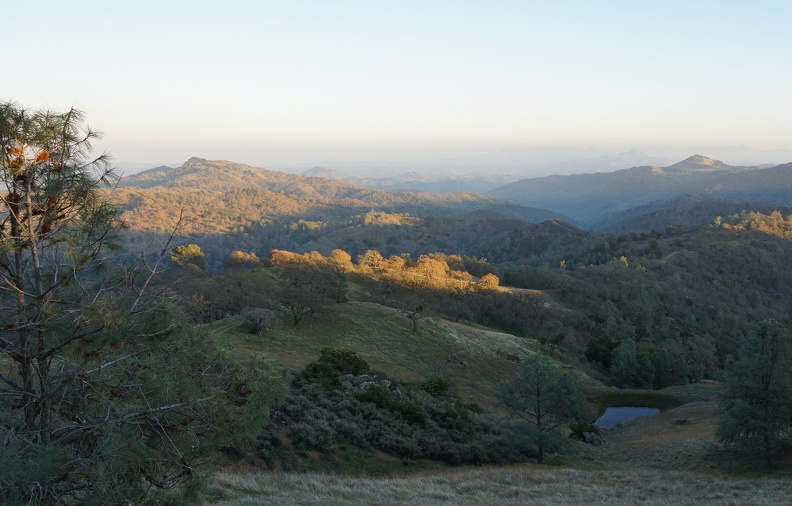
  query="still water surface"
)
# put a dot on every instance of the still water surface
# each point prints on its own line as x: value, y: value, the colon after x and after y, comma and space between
x: 622, y: 414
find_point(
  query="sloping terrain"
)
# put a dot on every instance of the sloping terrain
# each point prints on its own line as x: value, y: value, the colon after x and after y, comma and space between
x: 601, y: 199
x: 220, y: 196
x: 683, y: 212
x: 473, y: 359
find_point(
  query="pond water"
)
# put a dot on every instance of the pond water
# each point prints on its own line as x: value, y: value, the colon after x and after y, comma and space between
x: 622, y: 414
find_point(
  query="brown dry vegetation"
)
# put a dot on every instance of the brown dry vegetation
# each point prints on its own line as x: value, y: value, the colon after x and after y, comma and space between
x: 513, y: 485
x: 677, y: 439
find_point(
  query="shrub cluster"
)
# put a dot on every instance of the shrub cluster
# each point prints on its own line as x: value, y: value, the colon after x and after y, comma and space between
x: 332, y: 363
x: 411, y: 424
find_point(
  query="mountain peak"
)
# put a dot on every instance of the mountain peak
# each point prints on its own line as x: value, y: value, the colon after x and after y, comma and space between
x: 195, y: 161
x: 698, y: 163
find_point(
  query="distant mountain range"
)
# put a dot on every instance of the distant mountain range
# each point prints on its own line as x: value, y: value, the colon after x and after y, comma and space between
x: 476, y: 182
x: 524, y: 162
x: 223, y: 195
x: 601, y: 199
x: 479, y: 174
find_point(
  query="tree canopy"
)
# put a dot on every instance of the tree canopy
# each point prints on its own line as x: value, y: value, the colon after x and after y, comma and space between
x: 108, y: 395
x: 189, y: 256
x: 757, y: 399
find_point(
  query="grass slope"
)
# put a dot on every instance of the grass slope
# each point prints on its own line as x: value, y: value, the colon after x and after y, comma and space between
x: 663, y: 459
x: 473, y: 359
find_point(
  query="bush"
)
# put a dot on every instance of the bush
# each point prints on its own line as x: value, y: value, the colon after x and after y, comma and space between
x: 343, y: 360
x: 322, y: 374
x: 383, y: 398
x: 436, y: 387
x: 315, y: 433
x: 332, y: 363
x: 260, y: 320
x: 412, y: 425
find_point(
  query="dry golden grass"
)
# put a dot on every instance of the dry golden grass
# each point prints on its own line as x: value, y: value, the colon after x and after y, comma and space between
x: 680, y: 438
x: 513, y: 485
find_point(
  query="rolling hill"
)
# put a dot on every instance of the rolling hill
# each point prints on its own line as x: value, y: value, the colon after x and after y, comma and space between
x: 221, y: 196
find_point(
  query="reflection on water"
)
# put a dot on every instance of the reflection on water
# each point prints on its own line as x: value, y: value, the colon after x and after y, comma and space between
x: 615, y: 416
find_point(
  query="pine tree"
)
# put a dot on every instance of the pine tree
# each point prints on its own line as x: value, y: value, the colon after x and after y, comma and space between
x: 106, y: 395
x: 756, y: 409
x: 545, y: 397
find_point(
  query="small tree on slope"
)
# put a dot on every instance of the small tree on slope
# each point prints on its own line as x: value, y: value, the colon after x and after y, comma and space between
x: 545, y: 397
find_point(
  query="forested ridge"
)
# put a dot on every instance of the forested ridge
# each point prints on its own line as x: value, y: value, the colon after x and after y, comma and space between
x: 229, y: 196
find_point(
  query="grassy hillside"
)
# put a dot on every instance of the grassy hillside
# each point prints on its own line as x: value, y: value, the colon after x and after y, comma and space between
x: 640, y: 462
x: 473, y: 359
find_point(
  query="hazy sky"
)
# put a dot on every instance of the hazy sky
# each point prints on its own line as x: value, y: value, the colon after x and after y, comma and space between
x: 297, y: 81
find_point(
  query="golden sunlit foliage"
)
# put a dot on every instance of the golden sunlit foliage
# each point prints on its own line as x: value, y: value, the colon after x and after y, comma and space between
x: 428, y: 271
x: 774, y: 224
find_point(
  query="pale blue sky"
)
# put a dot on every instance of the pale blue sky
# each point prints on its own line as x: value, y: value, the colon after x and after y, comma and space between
x: 297, y: 81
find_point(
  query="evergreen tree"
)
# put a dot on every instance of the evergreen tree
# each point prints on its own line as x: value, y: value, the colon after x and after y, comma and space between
x: 756, y: 409
x: 545, y: 397
x: 111, y: 396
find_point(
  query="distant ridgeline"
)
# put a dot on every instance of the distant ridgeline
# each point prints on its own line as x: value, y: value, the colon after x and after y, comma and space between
x: 699, y: 184
x: 233, y: 206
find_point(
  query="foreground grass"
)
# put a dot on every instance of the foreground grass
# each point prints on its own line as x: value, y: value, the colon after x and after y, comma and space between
x: 513, y: 485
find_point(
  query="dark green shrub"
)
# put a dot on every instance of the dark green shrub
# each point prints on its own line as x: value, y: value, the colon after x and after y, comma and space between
x: 600, y: 350
x: 322, y: 374
x: 436, y: 387
x: 456, y: 417
x: 410, y: 411
x: 383, y: 398
x: 313, y: 434
x: 343, y: 360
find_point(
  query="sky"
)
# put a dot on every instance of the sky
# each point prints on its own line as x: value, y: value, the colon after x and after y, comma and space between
x: 278, y: 82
